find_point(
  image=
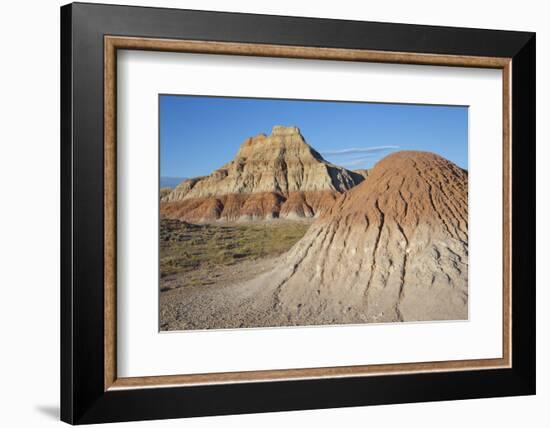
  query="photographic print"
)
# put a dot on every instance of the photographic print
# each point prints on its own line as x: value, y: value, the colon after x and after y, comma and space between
x: 281, y: 212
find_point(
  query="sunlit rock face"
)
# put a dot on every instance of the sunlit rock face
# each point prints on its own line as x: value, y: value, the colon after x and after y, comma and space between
x: 277, y: 175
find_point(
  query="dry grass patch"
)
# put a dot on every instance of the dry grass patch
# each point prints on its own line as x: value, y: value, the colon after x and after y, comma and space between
x: 196, y: 252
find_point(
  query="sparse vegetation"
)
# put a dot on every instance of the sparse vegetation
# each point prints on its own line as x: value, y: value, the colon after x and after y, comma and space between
x: 199, y: 250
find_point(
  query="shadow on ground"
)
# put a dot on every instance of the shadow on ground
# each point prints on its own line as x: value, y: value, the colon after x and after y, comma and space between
x: 50, y: 411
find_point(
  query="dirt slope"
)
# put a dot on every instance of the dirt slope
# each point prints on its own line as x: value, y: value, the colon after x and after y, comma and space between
x: 393, y: 248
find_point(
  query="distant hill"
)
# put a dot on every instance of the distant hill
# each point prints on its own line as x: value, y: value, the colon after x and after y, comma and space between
x: 273, y: 176
x: 170, y: 181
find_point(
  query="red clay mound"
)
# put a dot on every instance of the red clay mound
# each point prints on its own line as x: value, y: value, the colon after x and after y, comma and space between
x: 394, y: 248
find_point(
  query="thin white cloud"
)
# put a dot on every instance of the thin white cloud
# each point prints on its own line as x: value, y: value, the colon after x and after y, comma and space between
x: 355, y: 150
x: 357, y: 161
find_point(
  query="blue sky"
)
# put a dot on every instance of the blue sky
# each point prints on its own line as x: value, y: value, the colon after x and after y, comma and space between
x: 200, y: 134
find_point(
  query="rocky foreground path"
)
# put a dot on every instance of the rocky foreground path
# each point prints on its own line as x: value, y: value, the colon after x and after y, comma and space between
x: 231, y: 302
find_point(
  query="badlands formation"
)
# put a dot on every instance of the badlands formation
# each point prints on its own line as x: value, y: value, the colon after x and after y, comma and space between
x: 392, y: 248
x: 275, y: 176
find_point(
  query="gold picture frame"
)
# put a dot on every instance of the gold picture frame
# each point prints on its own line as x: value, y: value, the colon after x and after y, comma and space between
x: 114, y: 43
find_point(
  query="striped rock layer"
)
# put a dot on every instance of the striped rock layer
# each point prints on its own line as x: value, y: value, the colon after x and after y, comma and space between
x: 273, y: 176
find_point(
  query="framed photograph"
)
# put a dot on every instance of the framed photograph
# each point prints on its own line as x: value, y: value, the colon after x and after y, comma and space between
x: 265, y: 213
